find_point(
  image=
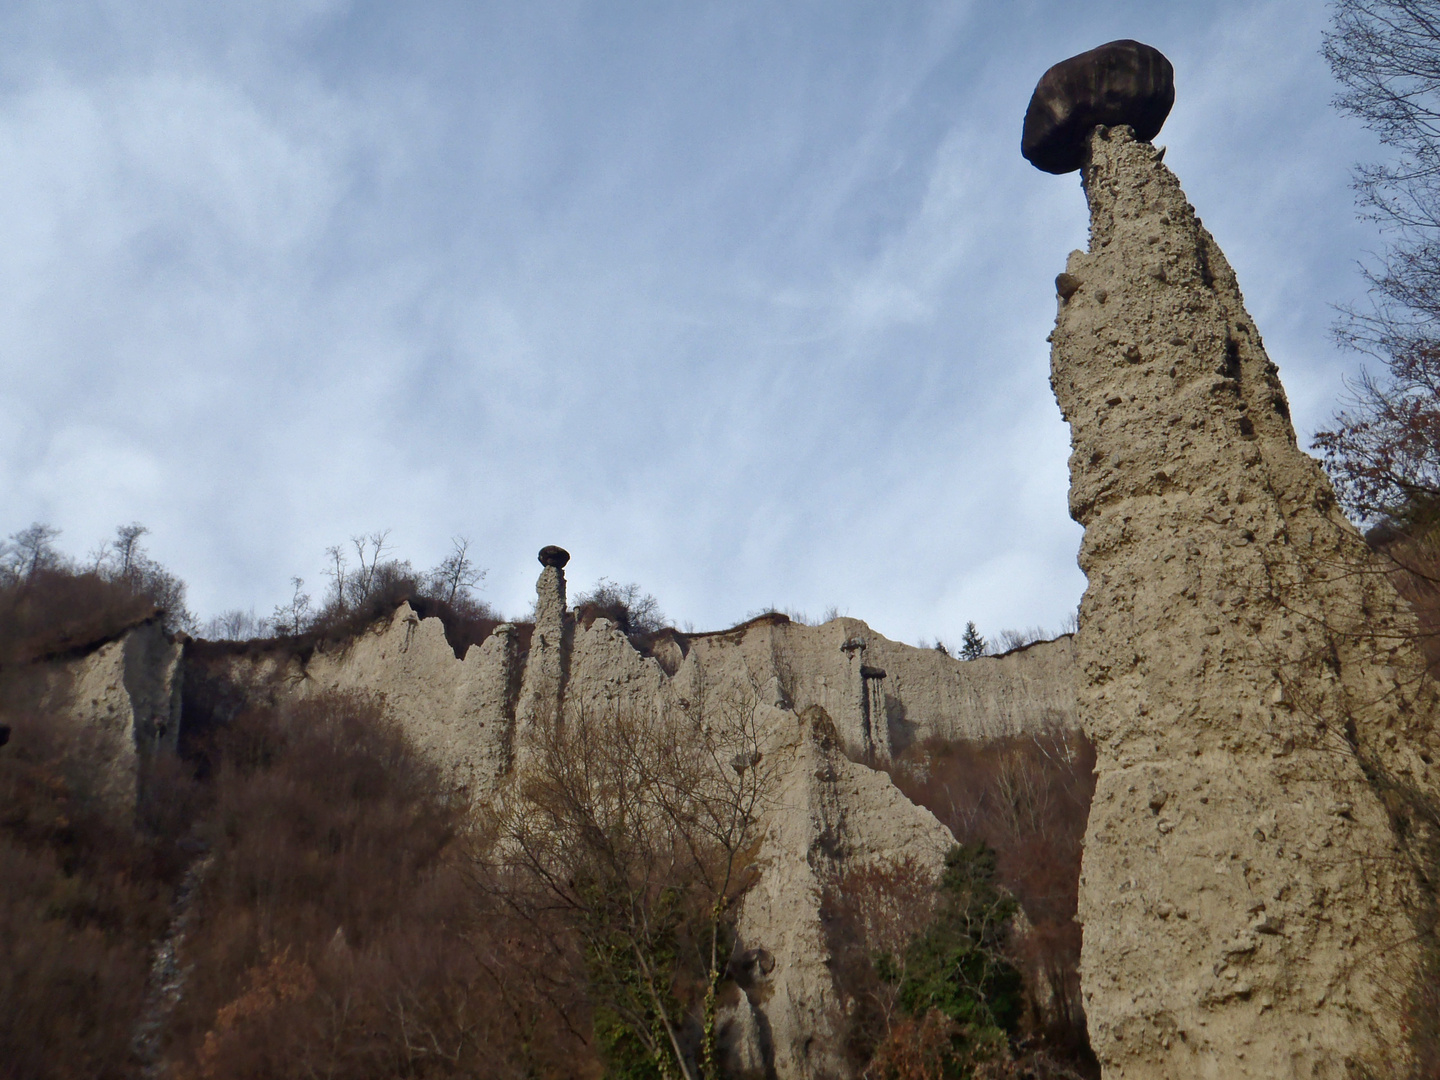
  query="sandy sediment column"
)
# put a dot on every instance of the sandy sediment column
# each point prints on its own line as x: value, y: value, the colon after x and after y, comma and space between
x: 1263, y: 730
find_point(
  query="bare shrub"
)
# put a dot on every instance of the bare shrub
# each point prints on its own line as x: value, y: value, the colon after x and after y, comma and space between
x: 84, y: 894
x: 1010, y: 640
x: 340, y: 932
x: 635, y: 612
x: 360, y: 596
x: 642, y: 830
x: 237, y: 625
x: 58, y: 612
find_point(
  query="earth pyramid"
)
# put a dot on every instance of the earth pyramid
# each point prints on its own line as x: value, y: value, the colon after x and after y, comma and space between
x: 1262, y: 719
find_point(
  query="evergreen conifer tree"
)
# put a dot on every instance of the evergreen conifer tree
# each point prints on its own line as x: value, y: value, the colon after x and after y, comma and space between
x: 972, y: 645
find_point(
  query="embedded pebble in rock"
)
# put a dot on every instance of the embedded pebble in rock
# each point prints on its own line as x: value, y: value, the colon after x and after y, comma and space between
x: 1245, y: 669
x: 1123, y: 82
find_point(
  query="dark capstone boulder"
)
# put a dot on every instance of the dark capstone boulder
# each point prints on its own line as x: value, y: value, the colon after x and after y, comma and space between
x: 1123, y: 82
x: 550, y: 555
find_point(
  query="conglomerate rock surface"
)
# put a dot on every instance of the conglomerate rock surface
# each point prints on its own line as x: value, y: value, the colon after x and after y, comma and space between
x: 1264, y: 735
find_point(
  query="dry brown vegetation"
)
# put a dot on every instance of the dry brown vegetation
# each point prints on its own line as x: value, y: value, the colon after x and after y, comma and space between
x: 50, y: 606
x: 638, y: 831
x: 340, y: 927
x: 340, y: 931
x: 84, y: 894
x: 83, y: 897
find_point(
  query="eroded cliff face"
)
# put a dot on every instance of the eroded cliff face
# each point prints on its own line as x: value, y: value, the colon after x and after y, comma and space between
x: 829, y: 816
x: 471, y: 714
x: 124, y: 698
x: 1259, y: 716
x: 883, y: 695
x: 826, y: 699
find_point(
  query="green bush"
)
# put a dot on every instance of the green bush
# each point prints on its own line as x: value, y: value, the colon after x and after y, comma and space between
x: 957, y: 966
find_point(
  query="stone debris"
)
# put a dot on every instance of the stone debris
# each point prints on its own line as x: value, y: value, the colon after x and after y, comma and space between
x: 1122, y: 82
x: 1246, y: 672
x: 165, y: 984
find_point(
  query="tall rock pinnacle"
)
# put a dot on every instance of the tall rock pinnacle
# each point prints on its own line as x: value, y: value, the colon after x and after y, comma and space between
x: 1247, y: 673
x: 543, y: 687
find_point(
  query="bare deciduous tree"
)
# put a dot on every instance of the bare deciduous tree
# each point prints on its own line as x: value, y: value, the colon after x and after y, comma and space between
x: 293, y: 616
x: 237, y: 625
x: 29, y: 551
x: 1383, y: 447
x: 643, y: 829
x: 338, y: 565
x: 457, y: 575
x: 126, y: 551
x: 628, y: 605
x: 376, y: 545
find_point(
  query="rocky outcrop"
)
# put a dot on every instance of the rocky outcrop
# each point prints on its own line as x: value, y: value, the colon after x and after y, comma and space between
x: 124, y: 697
x: 827, y: 699
x: 828, y: 816
x: 882, y: 695
x: 543, y: 689
x: 1245, y: 670
x: 470, y: 713
x: 460, y: 712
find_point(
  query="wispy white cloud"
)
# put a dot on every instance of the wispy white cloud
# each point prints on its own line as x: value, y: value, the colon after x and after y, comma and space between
x: 746, y: 301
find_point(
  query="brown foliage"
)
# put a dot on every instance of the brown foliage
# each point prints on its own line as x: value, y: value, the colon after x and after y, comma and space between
x: 925, y: 1049
x: 871, y: 914
x: 339, y: 931
x: 83, y: 897
x: 56, y: 612
x: 917, y: 1049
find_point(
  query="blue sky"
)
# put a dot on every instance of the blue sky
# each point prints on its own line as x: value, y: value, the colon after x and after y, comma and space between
x: 743, y: 301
